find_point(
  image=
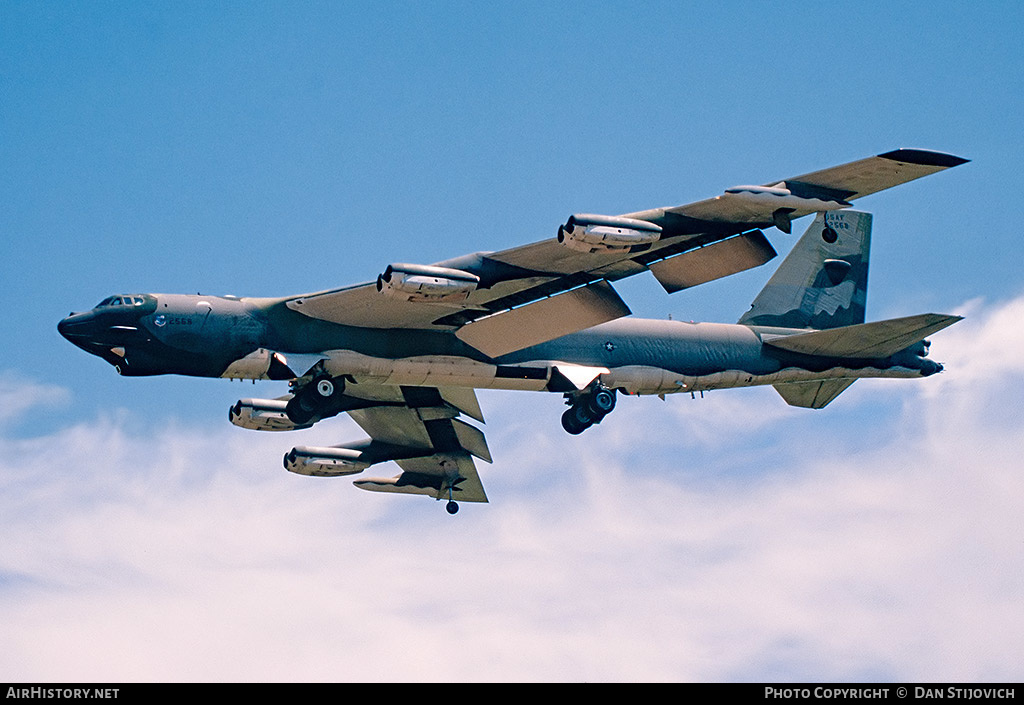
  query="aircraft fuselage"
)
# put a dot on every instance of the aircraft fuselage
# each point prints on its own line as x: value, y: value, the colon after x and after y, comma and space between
x: 212, y: 336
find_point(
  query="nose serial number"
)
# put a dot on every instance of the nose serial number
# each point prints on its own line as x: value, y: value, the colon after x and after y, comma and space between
x: 163, y: 320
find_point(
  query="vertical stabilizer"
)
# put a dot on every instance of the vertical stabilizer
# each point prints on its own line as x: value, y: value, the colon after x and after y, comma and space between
x: 823, y: 282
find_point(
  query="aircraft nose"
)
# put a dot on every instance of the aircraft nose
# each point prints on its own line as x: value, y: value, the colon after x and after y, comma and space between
x: 76, y: 327
x: 64, y: 327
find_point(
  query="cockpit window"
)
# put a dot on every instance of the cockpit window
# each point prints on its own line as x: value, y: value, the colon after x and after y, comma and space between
x: 121, y: 301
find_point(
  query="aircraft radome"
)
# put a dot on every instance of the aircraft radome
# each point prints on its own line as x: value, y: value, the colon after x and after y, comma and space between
x: 403, y: 354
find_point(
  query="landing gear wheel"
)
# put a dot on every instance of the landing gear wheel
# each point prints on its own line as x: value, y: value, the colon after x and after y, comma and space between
x: 299, y: 410
x: 587, y: 408
x: 576, y: 419
x: 569, y: 423
x: 318, y: 398
x: 325, y: 388
x: 601, y: 402
x: 452, y: 507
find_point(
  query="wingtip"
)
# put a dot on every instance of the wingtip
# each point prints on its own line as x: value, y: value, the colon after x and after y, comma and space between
x: 924, y: 157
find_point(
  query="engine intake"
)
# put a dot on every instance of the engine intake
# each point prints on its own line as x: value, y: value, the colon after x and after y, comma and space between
x: 586, y: 232
x: 420, y: 282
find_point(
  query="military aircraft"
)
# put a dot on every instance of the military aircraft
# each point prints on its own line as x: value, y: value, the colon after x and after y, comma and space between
x: 403, y: 354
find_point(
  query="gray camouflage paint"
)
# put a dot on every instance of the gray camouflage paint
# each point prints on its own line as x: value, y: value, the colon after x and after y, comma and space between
x: 821, y: 284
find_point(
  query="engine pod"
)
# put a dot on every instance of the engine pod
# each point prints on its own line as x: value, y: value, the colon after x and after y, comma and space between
x: 427, y: 283
x: 590, y: 233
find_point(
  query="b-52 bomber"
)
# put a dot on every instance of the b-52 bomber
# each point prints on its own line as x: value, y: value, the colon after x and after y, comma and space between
x: 403, y: 354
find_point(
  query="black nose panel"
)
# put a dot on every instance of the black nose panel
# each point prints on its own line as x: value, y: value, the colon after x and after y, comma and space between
x: 78, y: 327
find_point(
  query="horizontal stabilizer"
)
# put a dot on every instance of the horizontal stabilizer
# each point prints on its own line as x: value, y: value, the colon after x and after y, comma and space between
x: 812, y: 395
x: 865, y: 340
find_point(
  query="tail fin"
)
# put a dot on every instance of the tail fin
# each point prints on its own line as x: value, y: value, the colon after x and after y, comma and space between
x: 823, y: 282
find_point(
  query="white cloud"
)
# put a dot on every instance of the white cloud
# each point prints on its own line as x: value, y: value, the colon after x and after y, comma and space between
x: 727, y: 538
x: 18, y: 395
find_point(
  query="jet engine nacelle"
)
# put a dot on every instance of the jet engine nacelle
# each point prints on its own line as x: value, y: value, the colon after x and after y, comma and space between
x: 263, y: 415
x: 326, y: 462
x: 420, y: 282
x: 590, y: 233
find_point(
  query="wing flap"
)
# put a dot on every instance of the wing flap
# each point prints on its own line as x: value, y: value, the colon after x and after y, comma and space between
x: 714, y: 261
x: 360, y: 305
x: 432, y: 477
x: 544, y: 320
x: 427, y: 420
x: 472, y: 439
x: 464, y: 400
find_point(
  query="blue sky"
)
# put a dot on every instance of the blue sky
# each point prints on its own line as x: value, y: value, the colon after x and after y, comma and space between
x: 277, y: 148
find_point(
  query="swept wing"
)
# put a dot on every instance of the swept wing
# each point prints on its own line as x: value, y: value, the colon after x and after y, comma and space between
x: 545, y: 290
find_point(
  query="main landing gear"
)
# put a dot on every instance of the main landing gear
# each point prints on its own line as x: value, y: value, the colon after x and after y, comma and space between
x: 587, y: 408
x: 319, y: 398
